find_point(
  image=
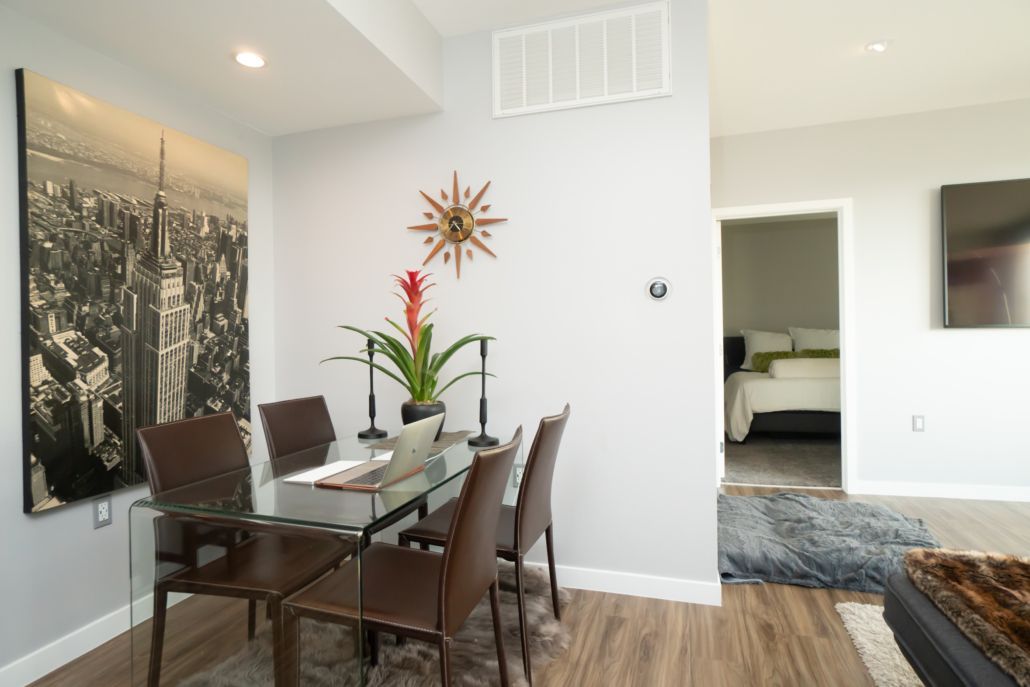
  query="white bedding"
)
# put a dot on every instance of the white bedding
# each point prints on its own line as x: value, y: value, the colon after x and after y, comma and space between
x: 747, y: 393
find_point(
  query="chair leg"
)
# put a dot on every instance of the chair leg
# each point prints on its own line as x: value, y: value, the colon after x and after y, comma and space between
x: 445, y: 662
x: 520, y: 591
x: 495, y: 609
x: 549, y: 532
x: 423, y: 513
x: 157, y: 637
x: 373, y: 648
x: 278, y: 643
x: 251, y: 619
x: 291, y: 649
x: 403, y: 541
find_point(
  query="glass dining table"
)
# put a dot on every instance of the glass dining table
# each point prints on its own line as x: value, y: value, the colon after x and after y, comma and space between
x: 189, y: 627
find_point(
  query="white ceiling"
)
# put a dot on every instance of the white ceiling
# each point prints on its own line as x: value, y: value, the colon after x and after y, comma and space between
x: 774, y: 64
x: 456, y: 17
x: 321, y: 71
x: 791, y: 63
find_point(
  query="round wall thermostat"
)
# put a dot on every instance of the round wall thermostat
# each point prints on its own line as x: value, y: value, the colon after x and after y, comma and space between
x: 658, y: 288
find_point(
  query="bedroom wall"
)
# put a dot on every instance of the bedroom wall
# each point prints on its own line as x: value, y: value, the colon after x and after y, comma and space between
x: 779, y: 274
x: 599, y: 200
x: 66, y: 584
x: 969, y: 383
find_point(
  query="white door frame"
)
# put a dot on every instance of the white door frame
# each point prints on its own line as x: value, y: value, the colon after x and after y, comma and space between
x: 846, y: 293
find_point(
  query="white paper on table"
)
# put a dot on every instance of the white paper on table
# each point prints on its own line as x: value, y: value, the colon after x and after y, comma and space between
x: 323, y: 471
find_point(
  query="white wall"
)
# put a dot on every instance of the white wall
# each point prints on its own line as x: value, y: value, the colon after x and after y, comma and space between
x: 60, y: 575
x: 599, y: 199
x: 970, y: 384
x: 777, y: 275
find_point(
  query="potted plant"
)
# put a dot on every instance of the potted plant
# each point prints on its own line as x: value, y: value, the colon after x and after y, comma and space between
x: 417, y: 368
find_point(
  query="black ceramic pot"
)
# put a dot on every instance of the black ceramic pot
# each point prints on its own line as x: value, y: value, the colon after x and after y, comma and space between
x: 413, y: 412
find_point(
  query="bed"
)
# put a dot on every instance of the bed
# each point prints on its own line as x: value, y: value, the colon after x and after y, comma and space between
x: 757, y: 402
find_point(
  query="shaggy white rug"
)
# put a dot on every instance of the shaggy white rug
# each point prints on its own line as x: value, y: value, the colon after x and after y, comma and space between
x: 327, y: 650
x: 875, y: 644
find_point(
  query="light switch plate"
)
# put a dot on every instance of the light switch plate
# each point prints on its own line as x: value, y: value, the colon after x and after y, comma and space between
x: 517, y: 479
x: 918, y: 423
x: 102, y: 512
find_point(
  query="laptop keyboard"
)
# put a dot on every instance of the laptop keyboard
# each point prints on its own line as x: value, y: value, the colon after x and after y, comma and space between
x: 370, y: 478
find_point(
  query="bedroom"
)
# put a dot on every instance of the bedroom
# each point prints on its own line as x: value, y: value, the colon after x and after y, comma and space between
x: 781, y: 350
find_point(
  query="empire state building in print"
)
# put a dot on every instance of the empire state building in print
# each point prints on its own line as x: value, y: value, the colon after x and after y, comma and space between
x: 134, y: 288
x: 155, y: 338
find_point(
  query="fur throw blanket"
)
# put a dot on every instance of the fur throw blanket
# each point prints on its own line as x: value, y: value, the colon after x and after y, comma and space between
x: 986, y: 595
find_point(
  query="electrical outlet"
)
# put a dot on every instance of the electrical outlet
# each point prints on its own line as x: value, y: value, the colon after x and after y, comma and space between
x: 918, y: 423
x: 102, y: 512
x: 519, y: 469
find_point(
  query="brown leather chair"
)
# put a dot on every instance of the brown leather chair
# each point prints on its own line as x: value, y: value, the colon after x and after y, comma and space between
x: 296, y: 425
x: 518, y: 528
x: 257, y: 567
x: 421, y: 594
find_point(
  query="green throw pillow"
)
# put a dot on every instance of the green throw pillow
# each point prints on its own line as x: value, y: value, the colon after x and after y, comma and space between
x: 760, y: 362
x: 819, y: 353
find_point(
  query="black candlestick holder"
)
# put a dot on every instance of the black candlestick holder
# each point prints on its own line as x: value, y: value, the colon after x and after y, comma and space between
x: 372, y: 432
x: 483, y: 439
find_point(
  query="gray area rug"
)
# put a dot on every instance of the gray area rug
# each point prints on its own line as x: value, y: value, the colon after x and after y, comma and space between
x: 784, y: 461
x: 874, y: 641
x: 799, y: 539
x: 327, y: 650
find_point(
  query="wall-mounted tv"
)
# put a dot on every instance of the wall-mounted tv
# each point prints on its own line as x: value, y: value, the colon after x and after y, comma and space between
x: 986, y: 254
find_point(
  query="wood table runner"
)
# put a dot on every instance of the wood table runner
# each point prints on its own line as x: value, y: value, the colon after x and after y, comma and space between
x: 446, y: 440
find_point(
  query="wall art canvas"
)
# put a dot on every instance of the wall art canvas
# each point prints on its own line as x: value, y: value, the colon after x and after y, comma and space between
x: 134, y: 288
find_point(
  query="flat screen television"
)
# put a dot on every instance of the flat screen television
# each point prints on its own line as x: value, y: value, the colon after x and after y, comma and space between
x: 986, y: 254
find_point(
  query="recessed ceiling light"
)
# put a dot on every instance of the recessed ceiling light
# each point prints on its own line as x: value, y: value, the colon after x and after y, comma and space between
x: 876, y: 46
x: 250, y: 59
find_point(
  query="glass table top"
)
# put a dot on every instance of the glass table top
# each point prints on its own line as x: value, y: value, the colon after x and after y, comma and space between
x: 259, y: 493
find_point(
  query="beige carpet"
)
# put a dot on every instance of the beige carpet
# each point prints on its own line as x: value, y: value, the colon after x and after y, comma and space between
x: 784, y: 461
x: 875, y: 644
x: 327, y: 650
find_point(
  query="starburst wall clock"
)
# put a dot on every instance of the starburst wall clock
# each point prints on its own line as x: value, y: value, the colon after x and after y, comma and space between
x: 457, y: 223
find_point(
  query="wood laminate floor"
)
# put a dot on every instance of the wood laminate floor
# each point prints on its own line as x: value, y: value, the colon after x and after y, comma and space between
x: 765, y: 635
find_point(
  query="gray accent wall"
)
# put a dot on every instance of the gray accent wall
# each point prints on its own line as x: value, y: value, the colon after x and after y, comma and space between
x: 779, y: 274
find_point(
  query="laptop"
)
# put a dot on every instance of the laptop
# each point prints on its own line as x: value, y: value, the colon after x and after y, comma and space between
x: 409, y: 457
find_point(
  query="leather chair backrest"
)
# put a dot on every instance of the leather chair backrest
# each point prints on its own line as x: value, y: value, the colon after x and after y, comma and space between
x: 191, y: 450
x: 470, y: 559
x: 533, y: 508
x: 296, y: 425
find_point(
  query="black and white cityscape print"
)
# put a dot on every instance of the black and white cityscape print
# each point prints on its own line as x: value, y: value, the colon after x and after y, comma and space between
x: 134, y: 254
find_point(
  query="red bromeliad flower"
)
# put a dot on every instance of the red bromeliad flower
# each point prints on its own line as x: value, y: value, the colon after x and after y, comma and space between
x: 414, y: 287
x: 418, y: 371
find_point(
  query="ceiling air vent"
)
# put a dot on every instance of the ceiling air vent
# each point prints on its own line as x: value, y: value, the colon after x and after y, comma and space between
x: 595, y: 58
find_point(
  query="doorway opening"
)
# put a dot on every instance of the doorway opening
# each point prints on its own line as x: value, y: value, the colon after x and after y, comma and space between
x: 783, y: 310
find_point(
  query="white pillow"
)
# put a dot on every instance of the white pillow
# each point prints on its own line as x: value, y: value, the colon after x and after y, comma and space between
x: 762, y: 342
x: 812, y: 339
x: 808, y: 368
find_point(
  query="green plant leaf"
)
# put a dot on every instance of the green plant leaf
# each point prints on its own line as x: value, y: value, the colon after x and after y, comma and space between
x: 392, y: 349
x: 425, y: 342
x: 455, y: 347
x: 461, y: 376
x: 396, y: 351
x: 370, y: 364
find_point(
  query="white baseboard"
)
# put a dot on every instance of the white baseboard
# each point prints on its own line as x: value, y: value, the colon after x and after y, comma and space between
x: 57, y: 653
x: 942, y: 490
x: 634, y: 584
x: 46, y: 659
